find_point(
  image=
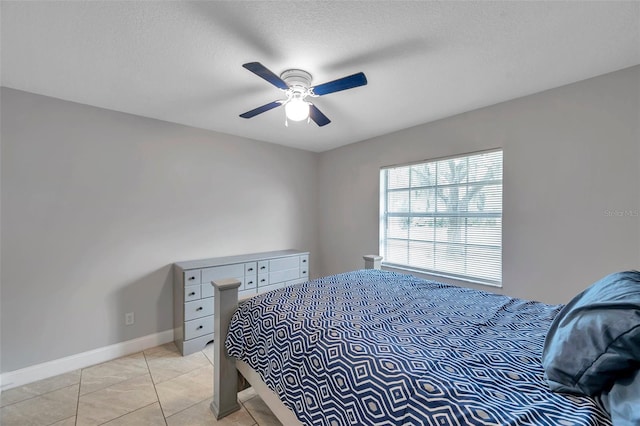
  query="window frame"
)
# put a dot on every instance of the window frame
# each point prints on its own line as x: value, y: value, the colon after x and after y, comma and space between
x: 384, y: 214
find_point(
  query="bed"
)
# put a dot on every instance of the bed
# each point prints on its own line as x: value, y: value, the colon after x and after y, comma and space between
x: 372, y: 347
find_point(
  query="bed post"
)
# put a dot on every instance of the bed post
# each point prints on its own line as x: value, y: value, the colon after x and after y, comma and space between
x: 372, y: 261
x: 225, y: 375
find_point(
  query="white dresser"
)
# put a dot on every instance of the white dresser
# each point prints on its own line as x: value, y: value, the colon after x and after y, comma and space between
x: 193, y: 292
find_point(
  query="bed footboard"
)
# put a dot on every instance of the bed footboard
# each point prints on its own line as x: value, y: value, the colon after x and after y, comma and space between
x: 372, y: 261
x: 225, y: 398
x: 225, y: 374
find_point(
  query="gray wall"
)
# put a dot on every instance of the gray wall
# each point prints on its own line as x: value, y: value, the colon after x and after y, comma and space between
x: 571, y: 154
x: 97, y: 204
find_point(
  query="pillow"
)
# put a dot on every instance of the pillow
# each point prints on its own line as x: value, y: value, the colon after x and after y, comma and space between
x: 595, y: 339
x: 623, y: 399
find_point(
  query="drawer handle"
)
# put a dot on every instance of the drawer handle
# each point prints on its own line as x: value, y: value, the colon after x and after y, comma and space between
x: 304, y: 260
x: 199, y: 328
x: 193, y: 293
x: 250, y: 269
x: 250, y: 283
x: 262, y: 280
x: 199, y: 309
x: 304, y: 272
x: 263, y: 267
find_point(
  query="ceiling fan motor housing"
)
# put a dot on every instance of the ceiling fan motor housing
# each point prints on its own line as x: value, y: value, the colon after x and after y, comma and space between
x: 298, y: 80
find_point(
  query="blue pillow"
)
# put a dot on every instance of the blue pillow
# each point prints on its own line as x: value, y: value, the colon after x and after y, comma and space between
x: 595, y: 339
x: 623, y: 399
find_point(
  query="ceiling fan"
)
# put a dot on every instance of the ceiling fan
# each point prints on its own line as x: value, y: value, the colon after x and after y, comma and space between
x: 296, y: 85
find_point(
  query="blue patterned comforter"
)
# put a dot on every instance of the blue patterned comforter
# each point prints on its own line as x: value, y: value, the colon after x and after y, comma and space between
x: 380, y: 348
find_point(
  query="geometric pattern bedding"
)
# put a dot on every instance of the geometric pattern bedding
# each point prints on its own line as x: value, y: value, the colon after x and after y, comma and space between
x: 372, y: 347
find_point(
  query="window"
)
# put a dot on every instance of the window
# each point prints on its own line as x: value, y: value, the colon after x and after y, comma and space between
x: 444, y: 217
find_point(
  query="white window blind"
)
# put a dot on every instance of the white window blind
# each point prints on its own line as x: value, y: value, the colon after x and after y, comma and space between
x: 444, y: 216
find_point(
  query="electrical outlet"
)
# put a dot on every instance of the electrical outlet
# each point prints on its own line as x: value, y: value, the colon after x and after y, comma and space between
x: 128, y: 318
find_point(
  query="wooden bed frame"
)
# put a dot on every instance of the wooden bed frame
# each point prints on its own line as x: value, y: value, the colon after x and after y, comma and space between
x: 226, y: 368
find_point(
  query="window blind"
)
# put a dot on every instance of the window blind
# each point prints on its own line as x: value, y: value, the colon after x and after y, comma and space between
x: 444, y: 216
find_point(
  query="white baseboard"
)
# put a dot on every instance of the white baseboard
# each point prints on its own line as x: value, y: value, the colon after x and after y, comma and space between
x: 48, y: 369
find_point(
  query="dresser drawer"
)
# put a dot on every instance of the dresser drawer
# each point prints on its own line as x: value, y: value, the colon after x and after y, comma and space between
x: 272, y: 287
x: 198, y: 327
x: 207, y: 290
x: 284, y: 263
x: 246, y: 294
x: 191, y: 292
x: 298, y: 281
x: 263, y: 266
x: 286, y: 275
x: 219, y: 272
x: 263, y: 279
x: 250, y: 283
x: 198, y: 309
x: 192, y: 277
x: 250, y: 268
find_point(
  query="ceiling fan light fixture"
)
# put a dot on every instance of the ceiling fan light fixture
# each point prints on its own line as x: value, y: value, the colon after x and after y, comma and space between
x: 296, y: 85
x: 297, y: 109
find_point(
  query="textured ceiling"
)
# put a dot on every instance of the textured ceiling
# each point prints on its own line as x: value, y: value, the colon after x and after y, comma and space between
x: 182, y: 61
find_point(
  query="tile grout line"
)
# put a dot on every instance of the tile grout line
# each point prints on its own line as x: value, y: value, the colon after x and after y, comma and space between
x: 153, y: 382
x: 147, y: 372
x: 42, y: 395
x: 183, y: 374
x: 78, y: 399
x: 126, y: 414
x: 255, y: 422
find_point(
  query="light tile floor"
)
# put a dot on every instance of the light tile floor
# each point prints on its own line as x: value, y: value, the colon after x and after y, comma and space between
x: 155, y: 387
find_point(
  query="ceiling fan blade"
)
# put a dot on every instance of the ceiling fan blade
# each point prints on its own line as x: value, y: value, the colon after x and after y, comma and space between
x: 343, y: 83
x: 317, y: 116
x: 261, y: 71
x: 261, y: 109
